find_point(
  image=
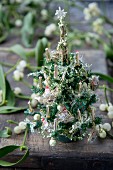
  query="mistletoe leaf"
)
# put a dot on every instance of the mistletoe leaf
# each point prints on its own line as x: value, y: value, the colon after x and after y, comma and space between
x: 8, y: 149
x: 10, y: 109
x: 19, y: 50
x: 28, y: 29
x: 4, y: 134
x: 10, y: 97
x: 104, y: 77
x: 4, y: 37
x: 39, y: 51
x: 44, y: 42
x: 2, y: 85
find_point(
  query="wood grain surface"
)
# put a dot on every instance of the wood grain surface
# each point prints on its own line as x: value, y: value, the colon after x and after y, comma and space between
x: 67, y: 156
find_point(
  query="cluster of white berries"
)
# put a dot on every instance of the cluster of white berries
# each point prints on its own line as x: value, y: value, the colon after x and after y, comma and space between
x: 50, y: 29
x: 92, y: 11
x: 18, y: 74
x: 102, y: 129
x: 1, y: 96
x: 106, y: 127
x: 98, y: 25
x: 20, y: 128
x: 105, y: 107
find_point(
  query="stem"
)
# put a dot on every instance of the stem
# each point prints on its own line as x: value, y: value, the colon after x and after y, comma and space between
x: 11, y: 69
x: 26, y: 83
x: 107, y: 20
x: 6, y: 64
x: 25, y: 136
x: 30, y: 53
x: 22, y: 96
x: 107, y: 88
x: 106, y: 95
x: 33, y: 68
x: 12, y: 122
x: 5, y: 49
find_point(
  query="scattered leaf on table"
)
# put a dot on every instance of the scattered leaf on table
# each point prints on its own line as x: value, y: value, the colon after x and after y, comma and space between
x: 19, y: 50
x: 10, y: 97
x: 10, y: 109
x: 27, y: 30
x: 2, y: 85
x: 8, y: 149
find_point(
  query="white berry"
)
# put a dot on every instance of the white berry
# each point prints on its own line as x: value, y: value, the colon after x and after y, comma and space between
x: 17, y: 90
x: 33, y: 95
x: 19, y: 68
x: 102, y: 134
x: 112, y: 124
x: 110, y: 108
x: 39, y: 99
x: 34, y: 103
x: 60, y: 108
x: 98, y: 127
x: 52, y: 142
x: 18, y: 75
x: 107, y: 126
x: 22, y: 125
x: 102, y: 107
x: 23, y: 63
x: 17, y: 130
x: 110, y: 115
x: 37, y: 117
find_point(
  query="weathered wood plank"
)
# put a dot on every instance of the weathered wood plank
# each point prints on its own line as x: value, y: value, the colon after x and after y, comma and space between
x: 81, y: 155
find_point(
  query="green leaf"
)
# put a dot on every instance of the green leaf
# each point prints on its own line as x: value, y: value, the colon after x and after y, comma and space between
x: 10, y: 109
x: 108, y: 50
x: 44, y: 42
x: 10, y: 97
x: 104, y: 77
x: 4, y: 134
x: 4, y: 37
x: 8, y: 149
x: 19, y: 50
x: 39, y: 51
x: 28, y: 29
x: 2, y: 85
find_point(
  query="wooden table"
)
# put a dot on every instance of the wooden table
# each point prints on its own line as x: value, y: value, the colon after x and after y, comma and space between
x: 67, y: 156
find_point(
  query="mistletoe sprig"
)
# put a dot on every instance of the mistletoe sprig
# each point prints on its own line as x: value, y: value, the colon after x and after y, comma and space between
x: 7, y: 94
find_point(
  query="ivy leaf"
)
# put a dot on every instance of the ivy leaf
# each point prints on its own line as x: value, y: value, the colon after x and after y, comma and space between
x: 8, y: 149
x: 19, y: 50
x: 10, y: 97
x: 10, y: 109
x: 2, y: 85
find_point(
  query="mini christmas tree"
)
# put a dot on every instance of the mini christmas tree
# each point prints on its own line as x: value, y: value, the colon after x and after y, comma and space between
x: 64, y: 91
